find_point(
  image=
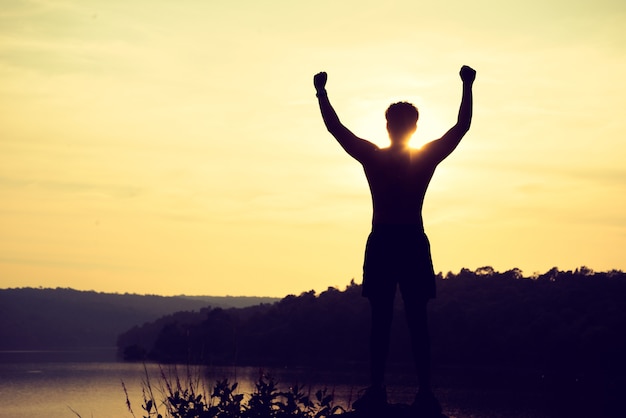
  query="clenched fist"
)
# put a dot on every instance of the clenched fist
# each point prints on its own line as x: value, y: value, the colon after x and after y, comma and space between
x: 319, y: 81
x: 468, y: 74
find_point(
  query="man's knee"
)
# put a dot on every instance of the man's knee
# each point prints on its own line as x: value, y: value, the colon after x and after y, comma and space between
x: 416, y: 312
x: 382, y: 311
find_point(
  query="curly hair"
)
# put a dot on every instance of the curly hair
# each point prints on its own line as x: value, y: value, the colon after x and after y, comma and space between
x: 401, y: 117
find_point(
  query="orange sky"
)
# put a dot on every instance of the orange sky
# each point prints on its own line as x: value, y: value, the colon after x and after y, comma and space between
x: 176, y: 147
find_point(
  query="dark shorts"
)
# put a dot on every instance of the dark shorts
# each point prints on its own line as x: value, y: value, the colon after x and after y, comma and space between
x: 398, y: 255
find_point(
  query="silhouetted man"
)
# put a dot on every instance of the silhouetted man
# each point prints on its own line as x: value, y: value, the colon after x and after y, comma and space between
x: 397, y: 251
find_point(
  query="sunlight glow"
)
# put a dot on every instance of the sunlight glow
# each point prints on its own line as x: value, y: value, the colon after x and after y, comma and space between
x: 179, y: 148
x: 370, y: 123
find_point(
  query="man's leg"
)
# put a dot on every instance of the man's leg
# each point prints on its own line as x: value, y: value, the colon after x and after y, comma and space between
x: 425, y: 402
x: 417, y: 319
x: 375, y: 396
x: 382, y: 315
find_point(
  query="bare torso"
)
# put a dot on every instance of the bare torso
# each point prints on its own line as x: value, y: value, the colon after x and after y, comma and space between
x: 398, y: 180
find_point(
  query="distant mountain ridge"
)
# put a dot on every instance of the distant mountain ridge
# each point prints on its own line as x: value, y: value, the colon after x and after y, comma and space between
x: 63, y: 318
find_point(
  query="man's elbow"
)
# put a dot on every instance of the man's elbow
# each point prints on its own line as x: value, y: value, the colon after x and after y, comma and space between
x: 334, y: 127
x: 462, y: 127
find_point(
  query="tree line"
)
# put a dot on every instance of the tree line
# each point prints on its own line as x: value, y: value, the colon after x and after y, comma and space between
x: 558, y: 320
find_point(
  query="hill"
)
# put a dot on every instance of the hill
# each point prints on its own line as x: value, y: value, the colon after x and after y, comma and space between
x: 44, y: 319
x: 571, y: 321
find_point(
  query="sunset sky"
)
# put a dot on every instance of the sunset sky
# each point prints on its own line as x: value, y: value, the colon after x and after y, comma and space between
x: 177, y: 148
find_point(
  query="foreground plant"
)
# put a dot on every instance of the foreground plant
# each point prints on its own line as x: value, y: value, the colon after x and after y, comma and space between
x: 190, y: 400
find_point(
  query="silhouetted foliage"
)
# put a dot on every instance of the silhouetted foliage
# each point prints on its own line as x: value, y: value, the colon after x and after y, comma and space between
x: 547, y: 321
x: 563, y: 329
x: 288, y: 332
x: 189, y: 398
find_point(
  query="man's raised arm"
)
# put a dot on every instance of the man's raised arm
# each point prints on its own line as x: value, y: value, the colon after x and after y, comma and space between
x: 358, y: 148
x: 442, y: 147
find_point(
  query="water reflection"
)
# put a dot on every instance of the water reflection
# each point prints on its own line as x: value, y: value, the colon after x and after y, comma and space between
x: 30, y: 388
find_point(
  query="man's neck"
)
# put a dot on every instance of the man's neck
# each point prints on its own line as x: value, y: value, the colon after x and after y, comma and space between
x: 399, y: 147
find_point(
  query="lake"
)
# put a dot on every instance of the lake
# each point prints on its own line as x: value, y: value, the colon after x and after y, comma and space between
x: 54, y: 384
